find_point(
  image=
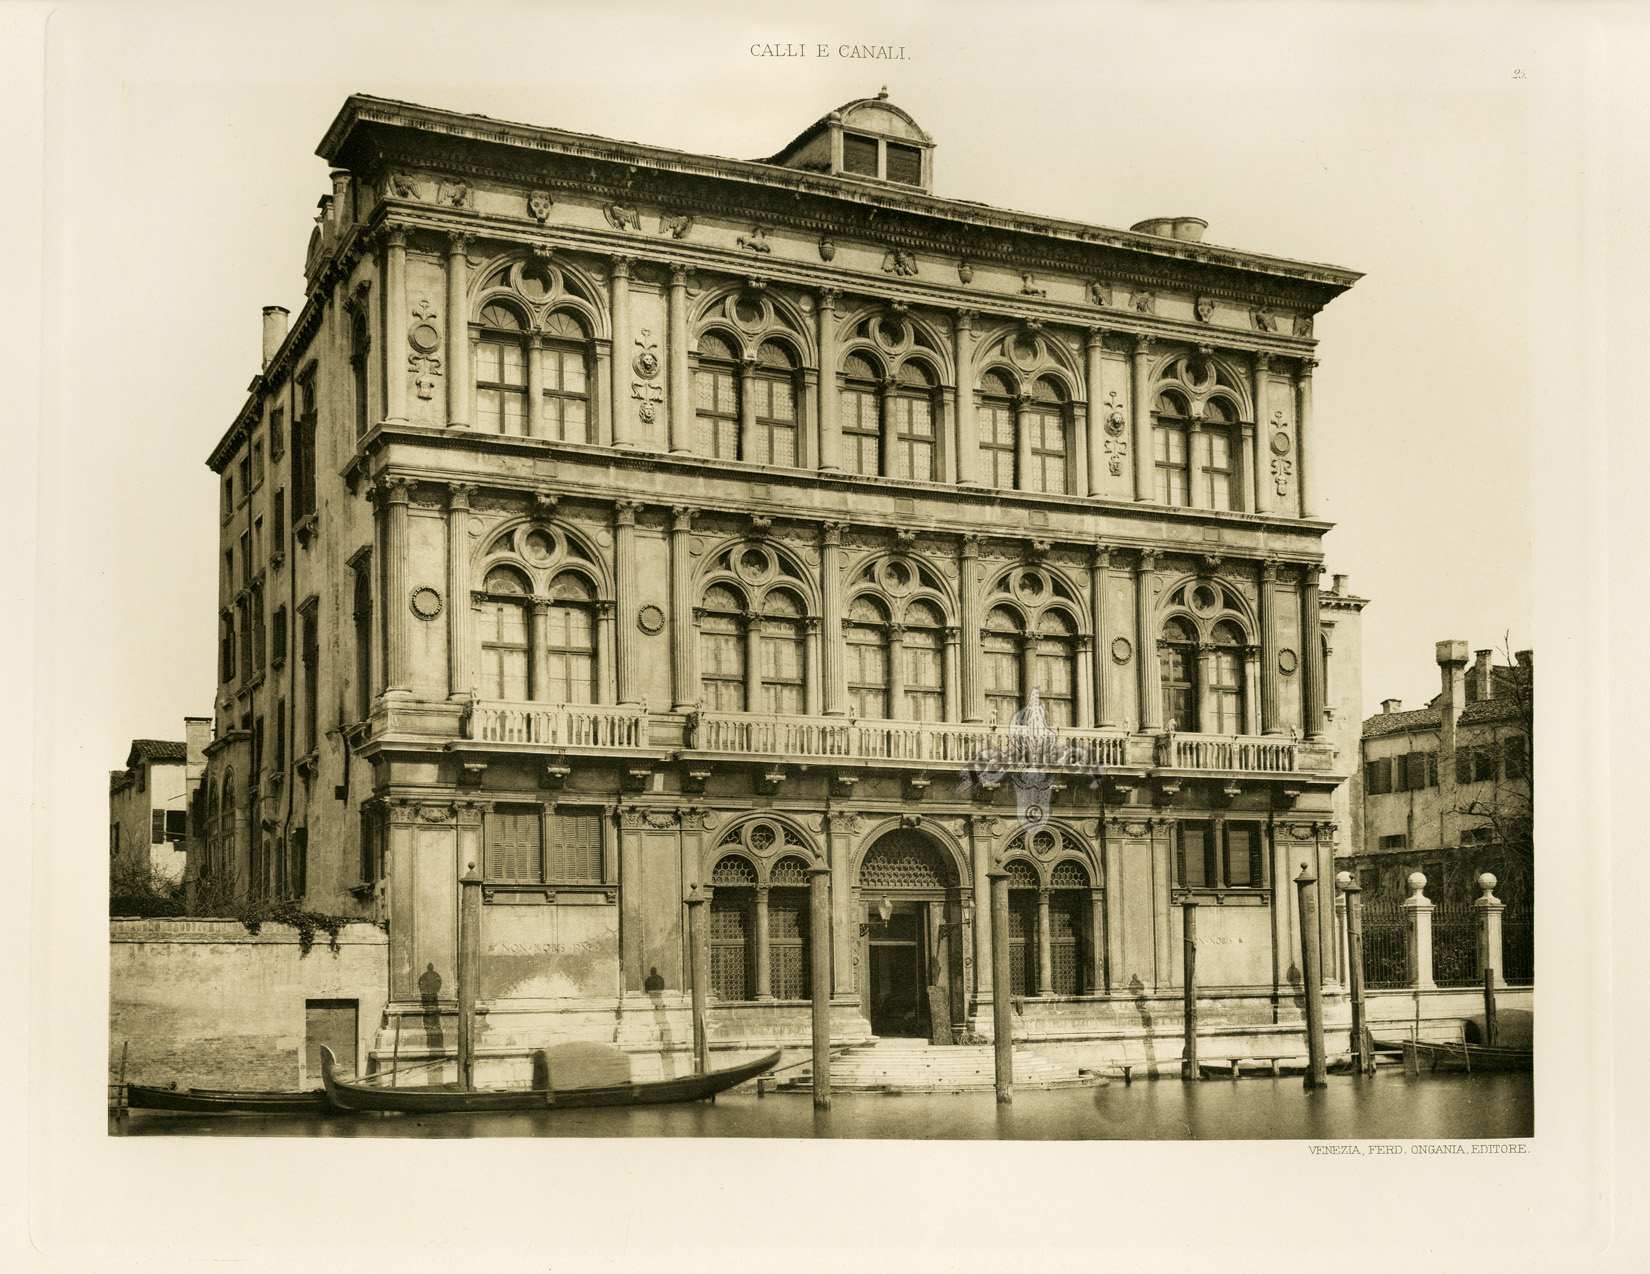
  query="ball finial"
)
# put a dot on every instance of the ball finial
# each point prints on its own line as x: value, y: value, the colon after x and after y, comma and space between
x: 1417, y: 882
x: 1487, y: 882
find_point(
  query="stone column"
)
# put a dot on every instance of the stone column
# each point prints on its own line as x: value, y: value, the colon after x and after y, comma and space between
x: 607, y: 676
x: 625, y: 578
x: 1028, y: 667
x: 1097, y: 943
x: 890, y: 433
x: 1022, y: 444
x: 764, y: 972
x: 1263, y: 442
x: 1197, y: 446
x: 1083, y: 687
x: 1079, y: 484
x: 1306, y: 444
x: 460, y: 386
x: 699, y: 944
x: 748, y: 450
x: 896, y: 672
x: 1095, y: 431
x: 535, y: 386
x: 1251, y: 690
x: 1418, y: 914
x: 1269, y: 723
x: 538, y: 676
x: 1045, y: 947
x: 753, y: 661
x: 1112, y: 849
x: 1141, y: 401
x: 1489, y: 909
x: 1312, y: 655
x: 819, y: 980
x: 844, y: 925
x: 394, y: 495
x: 624, y: 431
x: 979, y: 846
x: 973, y: 671
x: 968, y: 438
x: 679, y: 372
x: 1145, y: 643
x: 461, y: 675
x: 1105, y: 707
x: 1243, y: 488
x: 951, y: 657
x: 395, y: 324
x: 1205, y: 689
x: 684, y: 683
x: 810, y: 666
x: 830, y: 419
x: 1338, y: 972
x: 830, y: 618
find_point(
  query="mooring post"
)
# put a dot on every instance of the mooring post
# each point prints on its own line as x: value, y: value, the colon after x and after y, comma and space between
x: 701, y: 975
x: 1362, y: 1055
x: 819, y: 933
x: 1002, y: 1004
x: 122, y: 1104
x: 1492, y: 1028
x: 469, y: 971
x: 1317, y: 1074
x: 1188, y: 1066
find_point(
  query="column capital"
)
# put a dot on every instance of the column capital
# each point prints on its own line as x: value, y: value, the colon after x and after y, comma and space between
x: 828, y: 297
x: 681, y: 517
x: 621, y: 264
x: 458, y: 242
x: 1263, y: 362
x: 1149, y: 559
x: 458, y: 496
x: 1309, y: 573
x: 1143, y: 343
x: 1269, y: 570
x: 391, y: 235
x: 606, y: 608
x: 830, y: 534
x: 1306, y: 366
x: 965, y: 320
x: 393, y: 489
x: 971, y: 545
x: 679, y: 273
x: 1093, y: 336
x: 1100, y: 557
x: 624, y: 512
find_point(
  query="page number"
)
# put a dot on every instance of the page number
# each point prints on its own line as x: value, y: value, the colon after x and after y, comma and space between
x: 1518, y: 75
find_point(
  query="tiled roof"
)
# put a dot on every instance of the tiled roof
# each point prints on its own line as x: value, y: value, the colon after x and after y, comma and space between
x: 152, y: 750
x: 1488, y: 710
x: 1384, y: 723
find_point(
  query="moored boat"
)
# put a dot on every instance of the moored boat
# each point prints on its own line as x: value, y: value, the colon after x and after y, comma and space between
x: 224, y: 1101
x: 1441, y: 1055
x: 357, y: 1095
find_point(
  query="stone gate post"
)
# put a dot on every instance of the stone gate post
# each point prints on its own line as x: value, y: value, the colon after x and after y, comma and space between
x: 1418, y: 914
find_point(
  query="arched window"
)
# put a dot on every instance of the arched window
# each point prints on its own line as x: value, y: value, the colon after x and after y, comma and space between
x: 1215, y: 455
x: 722, y: 650
x: 504, y: 643
x: 1226, y: 680
x: 773, y: 386
x: 782, y: 654
x: 913, y: 405
x: 1169, y: 445
x: 996, y: 428
x: 924, y: 644
x: 565, y: 376
x: 1022, y: 927
x: 731, y: 928
x: 359, y: 342
x: 1070, y: 911
x: 1004, y: 694
x: 788, y: 964
x: 860, y: 406
x: 1056, y: 664
x: 1177, y: 661
x: 867, y: 636
x: 501, y: 372
x: 716, y: 390
x: 570, y: 641
x: 1045, y: 419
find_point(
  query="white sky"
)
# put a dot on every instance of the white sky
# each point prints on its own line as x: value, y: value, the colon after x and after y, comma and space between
x: 1392, y: 143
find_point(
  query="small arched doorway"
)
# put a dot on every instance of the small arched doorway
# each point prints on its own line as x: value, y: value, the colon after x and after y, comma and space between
x: 911, y: 937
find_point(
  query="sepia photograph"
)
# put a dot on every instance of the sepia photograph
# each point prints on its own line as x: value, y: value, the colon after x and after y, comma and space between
x: 695, y: 582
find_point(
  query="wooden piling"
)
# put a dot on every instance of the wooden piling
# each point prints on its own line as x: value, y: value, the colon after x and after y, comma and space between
x: 123, y: 1107
x: 1317, y: 1072
x: 1363, y: 1055
x: 469, y: 971
x: 1188, y: 1065
x: 1492, y: 1030
x: 819, y: 935
x: 1002, y: 1005
x: 701, y: 977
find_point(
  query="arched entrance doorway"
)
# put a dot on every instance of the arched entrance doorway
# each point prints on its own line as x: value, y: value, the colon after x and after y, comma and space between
x: 911, y: 944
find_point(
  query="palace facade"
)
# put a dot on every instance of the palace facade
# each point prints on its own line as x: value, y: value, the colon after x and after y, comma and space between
x: 643, y: 530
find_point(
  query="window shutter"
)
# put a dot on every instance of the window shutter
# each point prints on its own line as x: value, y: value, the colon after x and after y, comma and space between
x: 1432, y: 769
x: 1463, y: 765
x: 1180, y: 860
x: 157, y: 826
x: 1400, y: 767
x: 578, y: 848
x: 1256, y: 860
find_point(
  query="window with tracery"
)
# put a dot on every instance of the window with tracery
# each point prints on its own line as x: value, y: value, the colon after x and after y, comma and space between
x: 1056, y: 666
x: 866, y: 632
x: 1216, y: 455
x: 716, y: 392
x: 773, y: 388
x: 1177, y: 663
x: 914, y: 435
x: 1022, y: 927
x: 1045, y: 421
x: 1004, y: 690
x: 782, y: 652
x: 860, y: 406
x: 995, y: 422
x: 501, y: 371
x: 503, y: 623
x: 565, y: 378
x: 570, y: 641
x: 722, y: 650
x: 732, y: 928
x: 1226, y: 689
x: 1171, y: 452
x: 923, y: 646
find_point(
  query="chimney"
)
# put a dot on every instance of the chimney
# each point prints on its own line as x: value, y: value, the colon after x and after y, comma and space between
x: 1389, y: 706
x: 1340, y: 586
x: 1187, y: 229
x: 1452, y: 672
x: 1482, y: 676
x: 1526, y: 659
x: 275, y: 317
x: 341, y: 209
x: 197, y: 733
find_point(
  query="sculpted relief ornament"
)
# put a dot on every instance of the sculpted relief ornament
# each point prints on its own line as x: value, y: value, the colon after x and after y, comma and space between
x: 425, y: 338
x: 647, y: 392
x: 454, y: 193
x: 623, y: 216
x: 539, y: 204
x: 676, y: 224
x: 899, y: 262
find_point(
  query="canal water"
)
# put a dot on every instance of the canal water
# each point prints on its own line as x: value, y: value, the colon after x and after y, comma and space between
x: 1388, y: 1105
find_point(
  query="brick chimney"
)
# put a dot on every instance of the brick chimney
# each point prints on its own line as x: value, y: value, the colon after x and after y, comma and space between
x: 1340, y: 586
x: 1452, y: 697
x: 1389, y: 706
x: 1525, y: 658
x: 1483, y: 685
x: 275, y: 317
x: 197, y: 733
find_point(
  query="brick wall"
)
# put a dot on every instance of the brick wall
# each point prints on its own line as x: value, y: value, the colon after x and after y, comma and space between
x: 206, y: 1004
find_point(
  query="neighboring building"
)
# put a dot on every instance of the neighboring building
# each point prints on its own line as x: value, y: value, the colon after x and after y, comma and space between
x: 640, y: 526
x: 1447, y: 789
x: 149, y: 804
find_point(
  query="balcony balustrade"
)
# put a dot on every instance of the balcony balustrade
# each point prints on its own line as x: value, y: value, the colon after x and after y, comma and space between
x: 573, y: 725
x: 1227, y: 752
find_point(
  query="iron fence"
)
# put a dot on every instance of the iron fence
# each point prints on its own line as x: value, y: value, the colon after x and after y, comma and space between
x: 1455, y: 946
x: 1518, y: 947
x: 1384, y: 947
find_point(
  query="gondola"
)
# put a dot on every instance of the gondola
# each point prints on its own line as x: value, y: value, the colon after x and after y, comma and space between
x: 225, y: 1101
x: 1434, y: 1055
x: 431, y: 1099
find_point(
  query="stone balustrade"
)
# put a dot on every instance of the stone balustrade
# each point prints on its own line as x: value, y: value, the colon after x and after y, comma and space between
x: 562, y: 725
x: 1227, y: 752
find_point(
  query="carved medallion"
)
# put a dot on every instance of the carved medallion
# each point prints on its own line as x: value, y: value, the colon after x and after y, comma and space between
x: 435, y: 813
x: 650, y: 619
x: 1205, y: 309
x: 426, y: 602
x: 1280, y: 443
x: 1122, y: 650
x: 539, y: 203
x: 1287, y: 662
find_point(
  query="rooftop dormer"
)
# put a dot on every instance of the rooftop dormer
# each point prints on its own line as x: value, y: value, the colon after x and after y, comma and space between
x: 871, y: 139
